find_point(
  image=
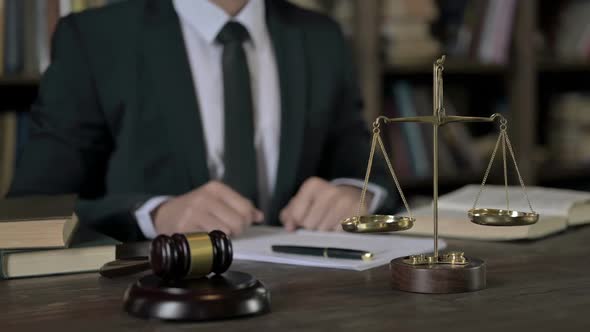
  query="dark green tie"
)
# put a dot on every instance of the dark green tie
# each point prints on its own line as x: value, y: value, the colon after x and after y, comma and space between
x: 239, y: 151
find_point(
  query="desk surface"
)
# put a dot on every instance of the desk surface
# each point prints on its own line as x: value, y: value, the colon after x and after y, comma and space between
x: 543, y: 285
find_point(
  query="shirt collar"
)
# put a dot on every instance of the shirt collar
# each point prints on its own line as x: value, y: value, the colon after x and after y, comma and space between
x: 208, y: 19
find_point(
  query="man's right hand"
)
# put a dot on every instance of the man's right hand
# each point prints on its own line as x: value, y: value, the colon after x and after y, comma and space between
x: 207, y: 208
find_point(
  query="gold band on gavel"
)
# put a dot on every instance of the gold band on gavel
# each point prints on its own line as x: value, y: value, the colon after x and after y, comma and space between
x: 201, y: 251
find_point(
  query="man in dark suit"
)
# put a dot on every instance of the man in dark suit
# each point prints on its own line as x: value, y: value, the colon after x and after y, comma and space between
x: 180, y: 115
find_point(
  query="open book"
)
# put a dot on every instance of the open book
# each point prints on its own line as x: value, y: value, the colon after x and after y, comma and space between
x: 558, y: 209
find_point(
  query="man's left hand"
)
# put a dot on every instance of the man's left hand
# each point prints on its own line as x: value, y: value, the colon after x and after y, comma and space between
x: 321, y: 205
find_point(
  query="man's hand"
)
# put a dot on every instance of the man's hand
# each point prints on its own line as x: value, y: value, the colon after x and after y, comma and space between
x: 320, y: 205
x: 207, y: 208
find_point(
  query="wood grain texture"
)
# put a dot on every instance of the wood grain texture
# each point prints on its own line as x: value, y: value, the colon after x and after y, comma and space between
x: 215, y: 297
x: 542, y: 286
x: 438, y: 279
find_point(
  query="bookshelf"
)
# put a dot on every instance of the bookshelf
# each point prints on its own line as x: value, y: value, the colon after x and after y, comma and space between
x: 520, y: 78
x: 528, y: 80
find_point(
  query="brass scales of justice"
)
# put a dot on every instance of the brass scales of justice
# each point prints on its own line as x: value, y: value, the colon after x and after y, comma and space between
x: 449, y: 272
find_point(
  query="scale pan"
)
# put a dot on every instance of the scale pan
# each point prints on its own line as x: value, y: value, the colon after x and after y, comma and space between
x: 497, y: 217
x: 377, y: 223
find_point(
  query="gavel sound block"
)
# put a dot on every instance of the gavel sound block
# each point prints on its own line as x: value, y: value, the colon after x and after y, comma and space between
x: 190, y: 282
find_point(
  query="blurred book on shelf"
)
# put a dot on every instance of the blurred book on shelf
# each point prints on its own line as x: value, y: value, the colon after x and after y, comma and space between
x: 572, y: 35
x: 26, y: 27
x: 411, y: 144
x: 569, y: 124
x: 406, y: 31
x: 418, y: 31
x: 13, y: 136
x: 480, y: 30
x: 8, y: 134
x: 564, y: 33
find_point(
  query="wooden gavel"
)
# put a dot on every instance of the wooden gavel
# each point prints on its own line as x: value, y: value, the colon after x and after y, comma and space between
x: 180, y: 256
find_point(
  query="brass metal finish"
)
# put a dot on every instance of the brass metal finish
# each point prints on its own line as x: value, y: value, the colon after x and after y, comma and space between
x: 502, y: 217
x: 201, y: 254
x: 452, y: 258
x: 492, y: 217
x: 368, y: 256
x: 377, y: 223
x: 497, y: 217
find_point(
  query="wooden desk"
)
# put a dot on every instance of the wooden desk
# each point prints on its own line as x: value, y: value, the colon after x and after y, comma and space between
x: 542, y: 285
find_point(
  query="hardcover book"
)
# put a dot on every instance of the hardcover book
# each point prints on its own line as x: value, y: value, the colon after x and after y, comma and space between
x: 37, y: 222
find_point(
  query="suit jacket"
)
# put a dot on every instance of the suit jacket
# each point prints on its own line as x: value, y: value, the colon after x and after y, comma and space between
x: 117, y: 118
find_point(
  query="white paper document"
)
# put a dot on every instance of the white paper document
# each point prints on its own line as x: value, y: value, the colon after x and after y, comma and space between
x: 255, y: 245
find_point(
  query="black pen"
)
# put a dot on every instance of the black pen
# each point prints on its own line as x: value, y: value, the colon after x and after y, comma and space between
x: 324, y: 252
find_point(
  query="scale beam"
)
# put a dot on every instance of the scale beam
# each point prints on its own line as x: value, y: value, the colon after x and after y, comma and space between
x: 440, y: 120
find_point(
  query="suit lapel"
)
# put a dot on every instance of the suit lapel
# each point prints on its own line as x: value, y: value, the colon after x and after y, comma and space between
x: 170, y: 81
x: 289, y: 52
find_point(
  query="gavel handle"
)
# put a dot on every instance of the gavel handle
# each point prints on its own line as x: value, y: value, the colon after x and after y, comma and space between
x: 124, y: 267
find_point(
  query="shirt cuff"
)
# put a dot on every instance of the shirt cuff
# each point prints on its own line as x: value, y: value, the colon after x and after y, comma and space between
x: 379, y: 193
x: 143, y: 215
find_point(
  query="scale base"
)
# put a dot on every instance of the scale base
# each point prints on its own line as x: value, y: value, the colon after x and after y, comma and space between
x: 438, y: 278
x: 230, y: 295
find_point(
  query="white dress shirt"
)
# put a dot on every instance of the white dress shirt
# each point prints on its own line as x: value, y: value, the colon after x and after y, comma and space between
x: 200, y: 22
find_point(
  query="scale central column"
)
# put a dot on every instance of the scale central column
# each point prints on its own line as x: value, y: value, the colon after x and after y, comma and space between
x: 435, y: 184
x: 437, y: 107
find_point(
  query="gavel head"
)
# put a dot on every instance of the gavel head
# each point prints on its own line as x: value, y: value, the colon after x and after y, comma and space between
x: 190, y: 255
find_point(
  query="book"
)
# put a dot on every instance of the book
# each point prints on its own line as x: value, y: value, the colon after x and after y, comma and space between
x: 402, y: 92
x: 400, y: 156
x: 557, y: 208
x: 405, y: 30
x: 2, y: 48
x: 37, y: 222
x: 497, y: 29
x: 13, y: 37
x: 8, y: 134
x: 572, y: 33
x: 88, y: 252
x: 569, y: 139
x: 30, y: 50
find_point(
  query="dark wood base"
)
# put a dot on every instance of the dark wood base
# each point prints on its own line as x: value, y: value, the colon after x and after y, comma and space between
x: 438, y: 278
x: 232, y: 294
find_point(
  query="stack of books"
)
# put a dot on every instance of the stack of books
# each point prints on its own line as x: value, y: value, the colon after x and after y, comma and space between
x: 480, y: 30
x: 40, y: 236
x: 406, y: 31
x: 569, y: 137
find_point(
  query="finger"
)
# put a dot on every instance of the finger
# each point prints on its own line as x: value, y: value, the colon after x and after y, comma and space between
x: 222, y: 211
x: 234, y: 228
x: 295, y: 211
x: 298, y: 207
x: 205, y: 223
x: 335, y: 215
x: 239, y: 203
x: 322, y: 204
x: 286, y: 220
